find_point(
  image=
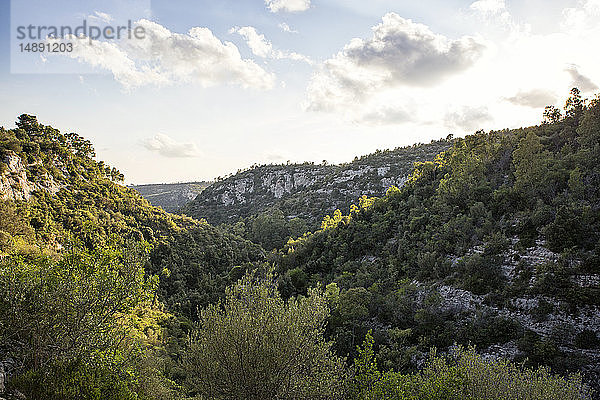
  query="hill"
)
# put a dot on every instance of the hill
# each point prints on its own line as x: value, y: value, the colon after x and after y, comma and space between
x: 171, y: 196
x: 495, y: 243
x: 308, y: 191
x: 54, y: 189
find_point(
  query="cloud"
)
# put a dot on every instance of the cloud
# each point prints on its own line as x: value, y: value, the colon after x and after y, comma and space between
x: 168, y: 147
x: 580, y: 81
x: 163, y: 57
x: 489, y: 6
x: 262, y: 47
x: 387, y: 115
x: 258, y: 44
x: 535, y: 98
x: 400, y: 53
x: 286, y: 28
x: 579, y: 19
x: 494, y: 12
x: 467, y: 118
x: 288, y: 5
x: 100, y: 16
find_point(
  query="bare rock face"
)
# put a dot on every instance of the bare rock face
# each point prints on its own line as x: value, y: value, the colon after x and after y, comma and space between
x: 549, y: 317
x: 6, y: 366
x: 13, y: 183
x: 16, y: 185
x: 309, y: 191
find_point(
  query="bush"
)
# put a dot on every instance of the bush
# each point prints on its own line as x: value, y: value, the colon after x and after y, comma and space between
x: 461, y: 375
x: 255, y: 345
x: 66, y: 322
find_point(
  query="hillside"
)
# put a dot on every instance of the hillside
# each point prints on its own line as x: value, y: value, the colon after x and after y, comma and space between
x: 52, y: 185
x: 171, y: 196
x: 308, y: 191
x: 490, y: 241
x: 495, y: 243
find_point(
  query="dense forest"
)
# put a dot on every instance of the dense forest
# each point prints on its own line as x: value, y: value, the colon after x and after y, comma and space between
x: 478, y: 278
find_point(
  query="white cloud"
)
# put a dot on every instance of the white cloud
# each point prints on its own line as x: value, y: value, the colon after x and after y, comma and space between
x: 467, y: 119
x: 387, y: 115
x: 580, y: 81
x: 534, y: 98
x: 286, y: 28
x: 258, y: 44
x: 100, y: 16
x: 489, y: 6
x: 288, y: 5
x: 400, y: 53
x: 168, y: 147
x: 163, y: 57
x: 262, y: 47
x: 579, y: 19
x: 495, y: 12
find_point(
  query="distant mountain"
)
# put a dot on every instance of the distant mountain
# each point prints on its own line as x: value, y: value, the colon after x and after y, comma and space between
x: 171, y: 196
x: 309, y: 191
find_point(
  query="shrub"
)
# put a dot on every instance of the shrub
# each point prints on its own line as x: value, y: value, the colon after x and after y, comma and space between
x: 461, y: 375
x: 255, y: 345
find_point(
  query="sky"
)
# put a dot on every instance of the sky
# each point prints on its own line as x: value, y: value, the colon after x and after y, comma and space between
x: 214, y: 86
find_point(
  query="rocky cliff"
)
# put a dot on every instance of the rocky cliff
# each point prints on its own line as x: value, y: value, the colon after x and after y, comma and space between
x: 17, y: 182
x: 307, y: 190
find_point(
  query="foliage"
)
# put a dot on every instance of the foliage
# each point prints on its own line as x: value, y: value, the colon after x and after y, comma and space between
x: 255, y: 345
x: 461, y: 375
x: 85, y: 317
x: 65, y: 322
x: 306, y: 191
x: 462, y: 222
x: 195, y: 256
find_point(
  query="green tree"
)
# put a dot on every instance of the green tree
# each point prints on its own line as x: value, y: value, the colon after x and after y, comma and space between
x: 552, y: 115
x: 255, y: 345
x: 269, y: 229
x: 65, y: 322
x: 532, y: 166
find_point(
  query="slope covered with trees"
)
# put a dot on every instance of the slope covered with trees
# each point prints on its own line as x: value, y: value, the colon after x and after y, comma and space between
x: 494, y: 243
x: 83, y: 261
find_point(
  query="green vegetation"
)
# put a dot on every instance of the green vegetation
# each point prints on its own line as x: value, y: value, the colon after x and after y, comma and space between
x: 472, y: 219
x: 66, y: 323
x: 304, y: 193
x: 258, y: 346
x: 103, y: 296
x: 78, y: 205
x: 462, y: 374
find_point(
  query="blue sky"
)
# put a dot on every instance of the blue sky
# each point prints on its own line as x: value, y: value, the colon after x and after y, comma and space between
x: 218, y: 85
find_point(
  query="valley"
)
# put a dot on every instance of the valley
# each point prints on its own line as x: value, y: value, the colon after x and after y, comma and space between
x: 485, y: 247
